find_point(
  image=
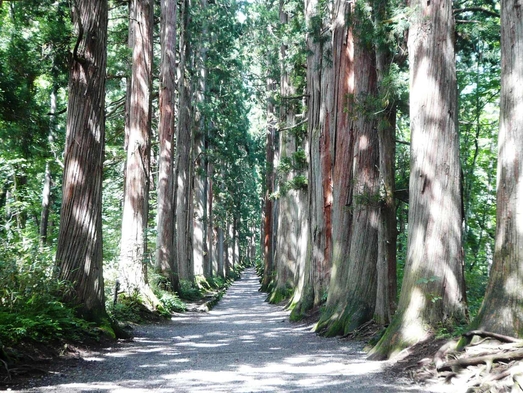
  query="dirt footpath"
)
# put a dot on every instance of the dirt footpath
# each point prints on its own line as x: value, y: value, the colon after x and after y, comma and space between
x: 242, y: 345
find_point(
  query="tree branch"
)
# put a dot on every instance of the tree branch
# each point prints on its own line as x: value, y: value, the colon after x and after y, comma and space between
x: 57, y: 113
x: 294, y: 126
x: 475, y: 9
x: 295, y: 97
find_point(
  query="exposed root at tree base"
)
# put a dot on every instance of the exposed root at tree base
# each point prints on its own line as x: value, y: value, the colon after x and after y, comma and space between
x: 479, y: 362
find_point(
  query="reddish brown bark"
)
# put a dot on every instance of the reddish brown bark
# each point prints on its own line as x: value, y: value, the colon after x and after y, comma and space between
x: 79, y: 250
x: 352, y: 292
x: 133, y: 248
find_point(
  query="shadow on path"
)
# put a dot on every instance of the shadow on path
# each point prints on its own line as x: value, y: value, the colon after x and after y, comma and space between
x: 242, y: 345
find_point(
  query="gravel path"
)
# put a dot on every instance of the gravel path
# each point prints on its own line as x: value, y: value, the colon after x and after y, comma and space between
x: 242, y: 345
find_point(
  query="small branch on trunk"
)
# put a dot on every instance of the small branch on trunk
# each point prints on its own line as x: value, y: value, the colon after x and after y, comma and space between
x: 294, y: 126
x: 295, y: 97
x: 475, y: 9
x: 57, y: 113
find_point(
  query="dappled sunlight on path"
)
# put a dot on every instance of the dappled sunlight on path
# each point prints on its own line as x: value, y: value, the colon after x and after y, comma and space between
x: 243, y: 345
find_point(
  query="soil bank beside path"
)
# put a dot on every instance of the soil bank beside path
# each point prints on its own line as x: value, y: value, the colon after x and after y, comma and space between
x: 243, y: 345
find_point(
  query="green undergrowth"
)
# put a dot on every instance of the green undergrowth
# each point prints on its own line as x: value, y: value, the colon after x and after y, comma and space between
x: 132, y: 309
x: 43, y: 321
x: 280, y: 295
x: 31, y: 312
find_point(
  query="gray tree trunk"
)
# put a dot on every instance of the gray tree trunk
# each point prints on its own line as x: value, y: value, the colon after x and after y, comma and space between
x: 433, y: 290
x: 200, y: 182
x: 502, y: 308
x: 313, y: 278
x: 184, y: 225
x: 268, y: 211
x: 387, y: 232
x: 286, y: 247
x: 165, y: 259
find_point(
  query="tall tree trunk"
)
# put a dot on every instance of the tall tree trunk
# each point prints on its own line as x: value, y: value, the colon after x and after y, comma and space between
x: 220, y: 252
x: 211, y: 258
x: 387, y: 232
x: 502, y: 308
x: 433, y: 290
x: 46, y: 202
x: 286, y: 247
x: 133, y: 266
x: 129, y: 79
x: 165, y: 260
x: 352, y: 292
x: 200, y: 181
x: 46, y: 189
x: 227, y: 247
x: 79, y: 251
x: 183, y: 160
x: 268, y: 215
x: 314, y: 273
x: 342, y: 138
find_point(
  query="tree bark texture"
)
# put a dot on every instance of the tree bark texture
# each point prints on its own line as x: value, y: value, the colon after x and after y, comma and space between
x: 79, y: 251
x: 268, y: 212
x: 183, y: 164
x: 387, y: 231
x: 313, y: 276
x: 352, y: 292
x: 286, y: 241
x: 128, y: 80
x: 211, y: 238
x: 200, y: 180
x: 46, y: 189
x: 502, y: 308
x: 133, y: 266
x: 46, y: 202
x: 220, y: 252
x: 165, y: 259
x: 342, y: 88
x: 433, y: 291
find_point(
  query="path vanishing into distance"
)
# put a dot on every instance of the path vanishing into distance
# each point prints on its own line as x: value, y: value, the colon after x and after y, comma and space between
x: 243, y: 345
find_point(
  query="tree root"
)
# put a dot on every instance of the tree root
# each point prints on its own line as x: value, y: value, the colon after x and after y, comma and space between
x: 476, y: 360
x: 483, y: 366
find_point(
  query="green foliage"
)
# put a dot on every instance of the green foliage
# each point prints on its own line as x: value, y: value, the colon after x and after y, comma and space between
x: 478, y: 73
x: 298, y: 182
x: 30, y: 308
x: 365, y: 198
x: 190, y: 290
x: 279, y: 295
x: 129, y: 309
x: 42, y: 321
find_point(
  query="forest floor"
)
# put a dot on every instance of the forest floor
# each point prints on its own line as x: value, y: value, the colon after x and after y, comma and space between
x: 243, y: 345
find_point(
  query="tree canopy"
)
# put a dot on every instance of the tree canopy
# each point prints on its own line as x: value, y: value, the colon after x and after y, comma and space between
x: 337, y: 146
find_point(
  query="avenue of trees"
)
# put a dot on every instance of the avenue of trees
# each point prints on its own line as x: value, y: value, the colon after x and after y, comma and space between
x: 130, y: 173
x: 365, y: 155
